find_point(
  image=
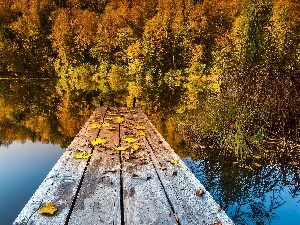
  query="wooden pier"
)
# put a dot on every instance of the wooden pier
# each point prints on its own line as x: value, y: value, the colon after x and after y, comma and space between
x: 131, y: 177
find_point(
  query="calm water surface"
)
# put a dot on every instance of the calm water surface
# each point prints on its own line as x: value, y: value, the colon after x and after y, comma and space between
x: 38, y: 119
x: 23, y: 166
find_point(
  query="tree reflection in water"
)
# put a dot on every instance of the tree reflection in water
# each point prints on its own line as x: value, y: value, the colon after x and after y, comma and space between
x: 249, y: 197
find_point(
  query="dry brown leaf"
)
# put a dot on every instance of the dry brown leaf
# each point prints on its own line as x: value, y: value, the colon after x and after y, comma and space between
x: 217, y: 223
x: 200, y: 192
x: 163, y: 168
x: 176, y: 217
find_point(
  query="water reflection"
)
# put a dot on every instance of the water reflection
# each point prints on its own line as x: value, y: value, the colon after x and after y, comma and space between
x: 263, y: 196
x: 255, y: 191
x: 23, y: 166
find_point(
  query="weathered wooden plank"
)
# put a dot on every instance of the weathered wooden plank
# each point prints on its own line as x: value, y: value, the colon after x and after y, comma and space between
x: 180, y: 184
x: 98, y: 201
x: 60, y: 185
x: 144, y: 199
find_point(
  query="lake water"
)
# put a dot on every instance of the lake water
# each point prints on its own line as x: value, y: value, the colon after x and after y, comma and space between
x: 38, y: 120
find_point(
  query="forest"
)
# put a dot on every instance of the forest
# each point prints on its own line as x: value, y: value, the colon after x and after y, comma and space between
x: 230, y: 68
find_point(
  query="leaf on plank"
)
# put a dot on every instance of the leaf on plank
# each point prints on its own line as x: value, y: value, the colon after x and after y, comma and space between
x: 135, y: 147
x: 217, y: 223
x: 120, y: 148
x: 130, y: 140
x: 140, y: 133
x: 200, y: 192
x: 174, y: 161
x: 108, y: 118
x: 176, y: 217
x: 106, y: 125
x: 120, y: 120
x: 163, y: 168
x: 98, y: 141
x: 95, y: 126
x: 111, y: 128
x: 140, y: 128
x: 48, y: 209
x: 82, y: 155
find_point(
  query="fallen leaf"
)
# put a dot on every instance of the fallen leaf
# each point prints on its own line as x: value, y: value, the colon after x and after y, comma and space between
x: 120, y: 119
x: 140, y: 133
x: 219, y: 208
x: 106, y: 125
x: 174, y: 161
x: 120, y: 148
x: 135, y: 147
x: 95, y: 126
x: 129, y: 192
x: 163, y: 168
x: 217, y: 223
x: 99, y: 141
x: 200, y: 192
x: 111, y: 128
x: 81, y: 155
x: 48, y: 209
x: 108, y: 118
x: 176, y: 217
x: 130, y: 140
x: 140, y: 128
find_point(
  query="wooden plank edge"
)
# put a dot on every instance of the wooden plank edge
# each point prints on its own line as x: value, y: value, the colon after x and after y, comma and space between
x: 197, y: 210
x: 60, y: 185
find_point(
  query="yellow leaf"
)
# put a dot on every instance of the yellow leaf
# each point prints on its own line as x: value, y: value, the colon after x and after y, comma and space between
x: 99, y: 141
x: 134, y: 115
x: 135, y: 147
x: 120, y: 119
x: 95, y: 126
x: 140, y: 127
x: 111, y: 128
x: 174, y: 161
x: 130, y: 140
x: 48, y: 209
x: 93, y: 121
x: 106, y: 125
x: 121, y: 148
x: 82, y: 155
x: 257, y: 156
x: 140, y: 133
x: 108, y: 118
